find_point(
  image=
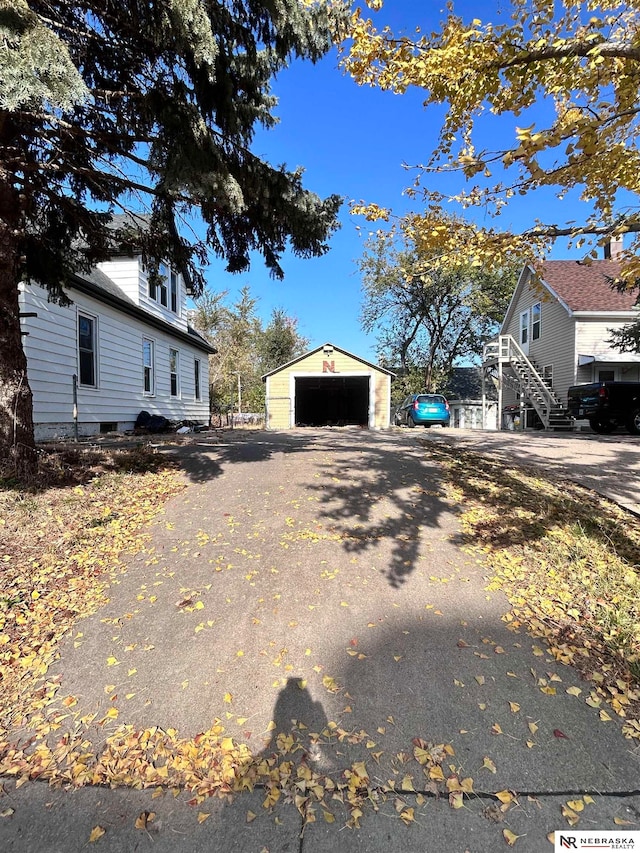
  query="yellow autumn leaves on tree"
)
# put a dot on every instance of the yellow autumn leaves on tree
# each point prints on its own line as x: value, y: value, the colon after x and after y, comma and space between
x: 559, y: 83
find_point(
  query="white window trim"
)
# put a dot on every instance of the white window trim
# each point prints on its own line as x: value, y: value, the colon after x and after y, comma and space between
x: 152, y: 392
x: 80, y: 312
x: 523, y: 328
x: 197, y: 390
x: 175, y: 396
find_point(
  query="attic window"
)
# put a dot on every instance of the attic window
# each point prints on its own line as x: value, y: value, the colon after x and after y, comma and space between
x: 166, y: 291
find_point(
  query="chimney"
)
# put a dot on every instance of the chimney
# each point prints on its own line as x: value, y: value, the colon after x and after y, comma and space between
x: 613, y: 248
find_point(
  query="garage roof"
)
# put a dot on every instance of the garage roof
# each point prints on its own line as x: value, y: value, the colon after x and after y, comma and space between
x: 333, y: 348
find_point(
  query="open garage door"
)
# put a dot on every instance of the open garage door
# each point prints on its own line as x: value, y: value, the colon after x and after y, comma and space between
x: 332, y: 400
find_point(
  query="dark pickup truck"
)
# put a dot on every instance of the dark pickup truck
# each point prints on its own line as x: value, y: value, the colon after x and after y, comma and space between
x: 607, y: 405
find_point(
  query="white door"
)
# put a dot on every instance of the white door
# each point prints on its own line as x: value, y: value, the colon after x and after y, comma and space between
x: 524, y: 332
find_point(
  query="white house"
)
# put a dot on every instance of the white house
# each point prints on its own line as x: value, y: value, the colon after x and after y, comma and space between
x: 121, y: 347
x: 556, y: 334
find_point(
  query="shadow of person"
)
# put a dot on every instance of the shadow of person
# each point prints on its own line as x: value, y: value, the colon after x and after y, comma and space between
x: 299, y: 726
x: 298, y: 747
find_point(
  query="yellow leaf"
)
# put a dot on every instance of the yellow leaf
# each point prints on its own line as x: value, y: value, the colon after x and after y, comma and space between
x: 111, y: 661
x: 251, y: 816
x: 504, y: 796
x: 488, y: 764
x: 302, y: 683
x: 510, y: 837
x: 202, y: 816
x: 436, y: 773
x: 576, y: 805
x: 480, y: 679
x: 407, y: 783
x: 574, y: 691
x: 143, y: 819
x: 620, y: 821
x: 533, y: 728
x: 588, y: 799
x: 112, y: 713
x: 550, y: 691
x: 514, y: 707
x: 407, y: 816
x: 96, y: 833
x: 329, y: 818
x: 604, y: 716
x: 228, y: 698
x: 456, y: 799
x: 495, y: 729
x: 570, y: 815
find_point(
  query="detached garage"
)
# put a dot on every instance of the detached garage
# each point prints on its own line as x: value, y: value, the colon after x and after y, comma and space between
x: 328, y: 387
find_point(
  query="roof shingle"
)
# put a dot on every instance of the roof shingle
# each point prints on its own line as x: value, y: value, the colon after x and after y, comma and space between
x: 588, y: 287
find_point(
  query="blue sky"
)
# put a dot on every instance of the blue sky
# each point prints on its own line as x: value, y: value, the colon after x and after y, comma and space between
x: 352, y: 141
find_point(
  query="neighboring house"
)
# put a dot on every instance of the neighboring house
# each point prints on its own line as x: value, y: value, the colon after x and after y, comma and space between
x: 555, y: 334
x: 469, y: 408
x: 121, y: 347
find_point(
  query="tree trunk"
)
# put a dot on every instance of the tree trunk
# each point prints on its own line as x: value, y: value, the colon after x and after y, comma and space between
x: 16, y: 402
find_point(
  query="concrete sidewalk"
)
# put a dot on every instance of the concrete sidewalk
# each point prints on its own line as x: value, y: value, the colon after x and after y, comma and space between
x: 313, y: 583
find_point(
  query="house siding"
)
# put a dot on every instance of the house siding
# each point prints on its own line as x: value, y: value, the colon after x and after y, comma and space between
x: 591, y: 339
x: 131, y: 277
x: 555, y: 347
x: 125, y: 272
x: 119, y: 396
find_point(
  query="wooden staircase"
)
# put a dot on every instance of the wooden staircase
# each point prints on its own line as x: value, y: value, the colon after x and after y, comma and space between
x: 504, y: 359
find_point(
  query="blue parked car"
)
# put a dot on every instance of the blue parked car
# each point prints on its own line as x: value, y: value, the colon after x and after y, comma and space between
x: 424, y: 409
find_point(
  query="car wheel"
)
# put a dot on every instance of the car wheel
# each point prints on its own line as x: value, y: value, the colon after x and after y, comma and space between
x: 410, y: 422
x: 633, y: 424
x: 426, y: 426
x: 602, y: 425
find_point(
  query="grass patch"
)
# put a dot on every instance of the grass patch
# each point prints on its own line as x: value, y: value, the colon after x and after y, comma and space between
x: 62, y: 541
x: 567, y: 560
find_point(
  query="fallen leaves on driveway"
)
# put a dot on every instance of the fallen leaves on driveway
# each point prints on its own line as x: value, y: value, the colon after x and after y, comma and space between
x: 567, y: 560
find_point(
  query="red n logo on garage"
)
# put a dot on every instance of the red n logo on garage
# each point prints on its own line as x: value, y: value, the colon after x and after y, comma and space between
x: 328, y: 367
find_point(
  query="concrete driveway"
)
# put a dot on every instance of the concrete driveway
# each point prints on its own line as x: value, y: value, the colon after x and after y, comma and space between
x: 312, y: 585
x: 608, y: 464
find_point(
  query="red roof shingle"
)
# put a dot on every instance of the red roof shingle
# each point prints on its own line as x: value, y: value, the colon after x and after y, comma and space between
x: 587, y: 287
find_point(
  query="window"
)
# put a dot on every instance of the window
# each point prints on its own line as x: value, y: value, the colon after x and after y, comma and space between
x: 166, y: 290
x: 148, y: 366
x: 524, y: 328
x: 173, y: 292
x: 159, y: 291
x: 174, y: 362
x: 606, y: 375
x: 196, y: 377
x: 87, y: 350
x: 536, y: 312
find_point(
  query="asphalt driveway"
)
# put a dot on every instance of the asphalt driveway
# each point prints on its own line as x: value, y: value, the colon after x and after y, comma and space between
x: 311, y: 585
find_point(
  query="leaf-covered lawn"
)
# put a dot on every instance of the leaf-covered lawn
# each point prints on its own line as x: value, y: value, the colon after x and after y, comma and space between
x: 569, y: 563
x: 61, y: 544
